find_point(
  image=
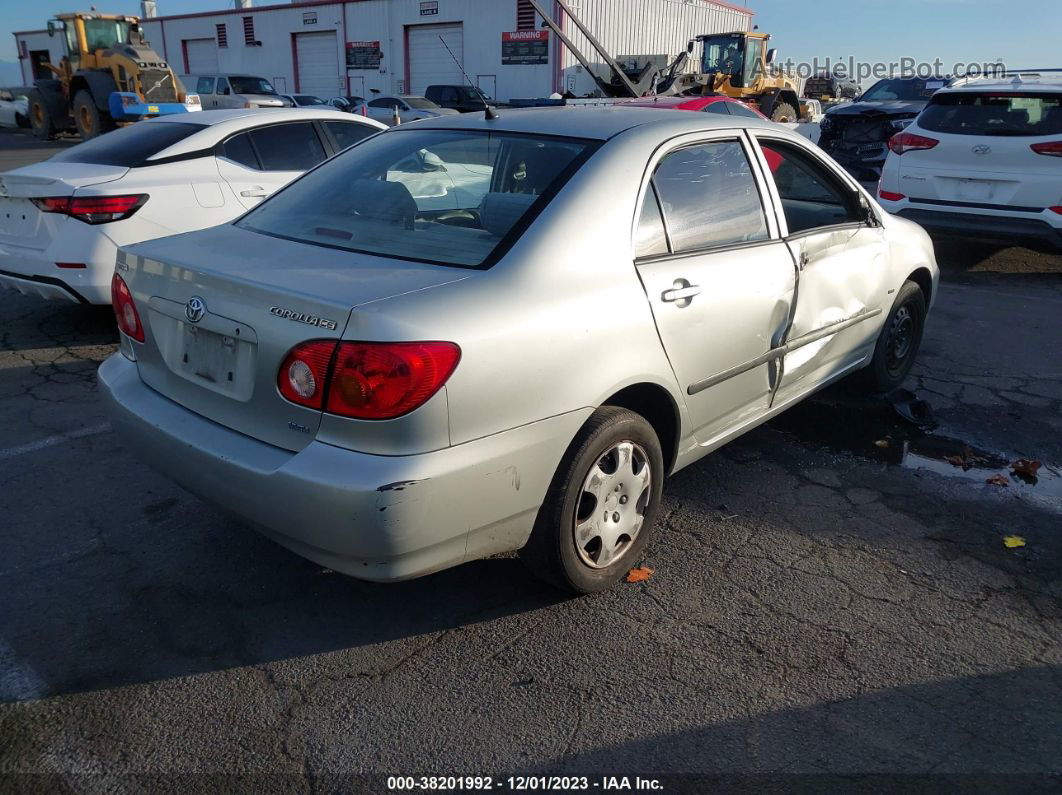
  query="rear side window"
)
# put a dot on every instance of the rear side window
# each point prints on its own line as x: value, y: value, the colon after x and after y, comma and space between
x: 288, y: 147
x: 239, y: 150
x: 709, y: 197
x: 348, y: 133
x: 994, y: 113
x: 651, y: 237
x: 128, y: 146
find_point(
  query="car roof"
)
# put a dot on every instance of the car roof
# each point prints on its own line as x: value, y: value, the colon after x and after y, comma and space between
x: 216, y: 124
x: 669, y: 102
x: 600, y: 123
x: 1025, y: 82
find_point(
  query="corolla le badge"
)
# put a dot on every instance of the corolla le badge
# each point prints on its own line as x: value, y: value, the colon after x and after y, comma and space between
x: 303, y: 317
x: 195, y: 309
x: 981, y: 149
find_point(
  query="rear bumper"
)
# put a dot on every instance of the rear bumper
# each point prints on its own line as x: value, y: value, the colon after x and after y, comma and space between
x: 34, y: 271
x: 1033, y: 231
x: 373, y: 517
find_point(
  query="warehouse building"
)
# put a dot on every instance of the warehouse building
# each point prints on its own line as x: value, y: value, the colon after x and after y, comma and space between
x: 351, y: 47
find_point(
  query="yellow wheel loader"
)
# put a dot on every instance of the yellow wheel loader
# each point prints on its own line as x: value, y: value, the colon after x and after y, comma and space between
x: 108, y: 76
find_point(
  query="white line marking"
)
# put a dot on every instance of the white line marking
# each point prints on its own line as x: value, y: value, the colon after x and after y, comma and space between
x: 40, y: 444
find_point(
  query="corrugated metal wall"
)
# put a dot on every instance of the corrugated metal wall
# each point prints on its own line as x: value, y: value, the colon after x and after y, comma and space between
x: 642, y: 27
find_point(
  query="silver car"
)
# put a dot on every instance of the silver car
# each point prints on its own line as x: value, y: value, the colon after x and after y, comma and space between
x: 217, y: 92
x: 470, y: 336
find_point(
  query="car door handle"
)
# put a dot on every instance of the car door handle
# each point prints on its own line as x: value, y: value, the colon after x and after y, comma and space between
x: 255, y: 192
x: 681, y: 293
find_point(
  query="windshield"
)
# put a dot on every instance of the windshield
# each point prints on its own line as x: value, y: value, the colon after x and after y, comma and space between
x: 420, y: 102
x: 128, y: 146
x: 452, y: 198
x: 251, y: 85
x: 723, y: 54
x: 102, y: 34
x: 903, y: 90
x: 1002, y: 113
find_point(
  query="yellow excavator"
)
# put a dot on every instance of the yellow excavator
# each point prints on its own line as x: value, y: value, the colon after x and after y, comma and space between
x: 108, y: 76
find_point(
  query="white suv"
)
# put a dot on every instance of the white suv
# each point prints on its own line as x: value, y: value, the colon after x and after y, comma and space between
x: 983, y: 160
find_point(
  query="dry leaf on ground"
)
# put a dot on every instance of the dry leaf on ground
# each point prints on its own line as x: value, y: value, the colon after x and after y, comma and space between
x: 1013, y: 542
x: 998, y: 480
x: 640, y: 574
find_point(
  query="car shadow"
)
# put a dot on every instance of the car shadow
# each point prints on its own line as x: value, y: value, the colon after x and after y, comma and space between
x: 28, y: 323
x: 996, y: 732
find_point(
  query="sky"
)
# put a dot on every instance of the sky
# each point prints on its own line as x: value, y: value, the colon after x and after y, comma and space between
x: 1023, y: 33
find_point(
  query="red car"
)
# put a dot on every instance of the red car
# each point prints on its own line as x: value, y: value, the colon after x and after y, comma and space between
x: 718, y: 104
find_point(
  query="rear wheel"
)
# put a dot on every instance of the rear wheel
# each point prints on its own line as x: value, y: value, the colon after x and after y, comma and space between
x: 898, y: 342
x: 39, y: 118
x: 89, y: 120
x: 784, y: 112
x: 601, y: 505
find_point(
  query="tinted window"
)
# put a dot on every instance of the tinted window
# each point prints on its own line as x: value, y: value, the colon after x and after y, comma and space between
x: 709, y: 196
x: 205, y: 85
x: 650, y: 238
x: 348, y: 133
x: 384, y: 102
x: 717, y: 107
x: 251, y: 85
x: 307, y: 99
x: 128, y: 146
x: 1005, y: 113
x: 737, y: 109
x: 452, y: 198
x: 223, y: 86
x: 238, y: 148
x: 811, y: 196
x: 288, y: 147
x: 420, y: 102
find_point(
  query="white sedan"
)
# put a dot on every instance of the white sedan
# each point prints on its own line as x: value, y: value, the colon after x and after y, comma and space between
x: 62, y: 220
x: 14, y: 109
x: 409, y: 108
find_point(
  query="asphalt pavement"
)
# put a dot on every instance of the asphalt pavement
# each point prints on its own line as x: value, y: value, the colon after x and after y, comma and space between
x: 831, y: 596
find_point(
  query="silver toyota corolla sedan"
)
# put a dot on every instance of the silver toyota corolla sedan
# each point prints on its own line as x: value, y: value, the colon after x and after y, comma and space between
x: 471, y: 336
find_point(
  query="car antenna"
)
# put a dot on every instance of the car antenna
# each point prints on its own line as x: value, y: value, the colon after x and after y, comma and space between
x: 488, y: 112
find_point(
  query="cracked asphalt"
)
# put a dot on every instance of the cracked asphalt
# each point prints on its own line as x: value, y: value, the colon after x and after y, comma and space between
x: 821, y: 603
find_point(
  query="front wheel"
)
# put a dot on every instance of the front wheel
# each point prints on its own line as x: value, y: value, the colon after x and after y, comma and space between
x: 601, y: 506
x: 40, y: 119
x: 898, y: 342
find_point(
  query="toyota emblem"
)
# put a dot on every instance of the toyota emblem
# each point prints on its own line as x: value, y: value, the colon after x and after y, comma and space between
x: 195, y: 309
x: 981, y: 149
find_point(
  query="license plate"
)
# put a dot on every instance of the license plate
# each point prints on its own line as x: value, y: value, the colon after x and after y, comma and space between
x: 974, y: 190
x: 153, y: 108
x: 209, y: 356
x: 18, y: 217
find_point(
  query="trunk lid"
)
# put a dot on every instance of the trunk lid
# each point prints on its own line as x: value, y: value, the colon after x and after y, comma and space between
x: 21, y: 223
x: 260, y: 297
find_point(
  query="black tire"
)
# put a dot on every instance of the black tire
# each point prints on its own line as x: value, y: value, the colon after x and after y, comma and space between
x: 552, y: 553
x: 88, y: 119
x: 898, y: 342
x: 784, y: 112
x: 40, y: 119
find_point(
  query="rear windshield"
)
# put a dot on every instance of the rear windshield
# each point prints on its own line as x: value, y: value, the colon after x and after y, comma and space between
x: 447, y: 197
x: 903, y: 90
x: 128, y: 146
x: 994, y: 113
x: 420, y: 102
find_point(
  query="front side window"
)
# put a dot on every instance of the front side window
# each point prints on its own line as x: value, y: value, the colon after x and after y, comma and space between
x: 205, y: 85
x: 288, y: 147
x: 223, y: 86
x: 1001, y: 113
x: 753, y: 54
x: 452, y: 198
x: 811, y: 196
x: 709, y: 197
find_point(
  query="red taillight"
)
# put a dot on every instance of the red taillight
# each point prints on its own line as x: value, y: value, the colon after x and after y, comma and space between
x: 125, y: 310
x: 1056, y: 209
x: 889, y: 196
x: 366, y: 380
x: 908, y: 142
x: 304, y: 373
x: 93, y: 209
x: 1051, y: 148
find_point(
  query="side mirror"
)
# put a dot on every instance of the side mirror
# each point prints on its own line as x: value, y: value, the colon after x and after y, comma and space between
x: 689, y: 47
x: 866, y: 212
x: 772, y: 55
x: 55, y: 25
